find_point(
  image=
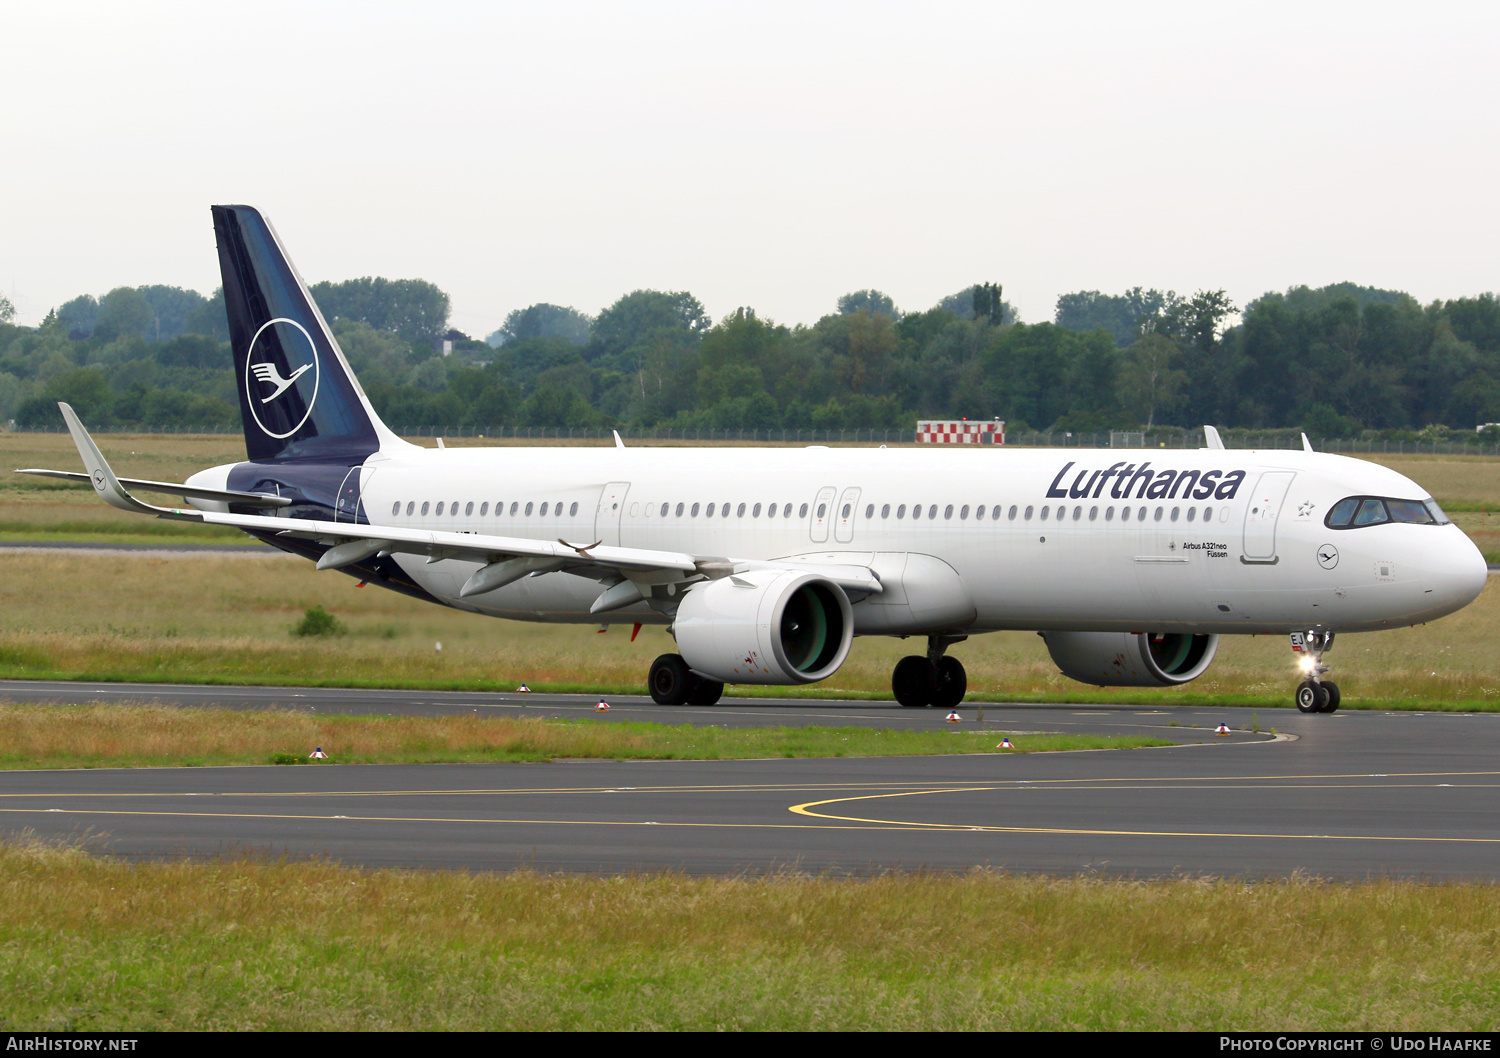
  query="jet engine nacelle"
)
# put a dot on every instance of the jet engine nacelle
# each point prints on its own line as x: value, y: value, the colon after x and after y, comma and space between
x: 765, y: 626
x: 1131, y: 659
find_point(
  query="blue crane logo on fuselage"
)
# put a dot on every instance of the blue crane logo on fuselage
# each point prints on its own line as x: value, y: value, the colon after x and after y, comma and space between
x: 281, y: 377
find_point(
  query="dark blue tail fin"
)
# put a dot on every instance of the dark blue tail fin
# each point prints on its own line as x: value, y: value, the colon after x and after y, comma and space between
x: 298, y: 398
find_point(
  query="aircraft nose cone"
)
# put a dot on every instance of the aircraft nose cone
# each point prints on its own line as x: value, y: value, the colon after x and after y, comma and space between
x: 1459, y: 570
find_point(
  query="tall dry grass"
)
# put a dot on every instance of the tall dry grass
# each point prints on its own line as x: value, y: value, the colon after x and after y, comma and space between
x: 89, y: 943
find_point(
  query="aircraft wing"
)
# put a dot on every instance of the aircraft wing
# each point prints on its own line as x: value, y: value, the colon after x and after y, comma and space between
x: 502, y: 559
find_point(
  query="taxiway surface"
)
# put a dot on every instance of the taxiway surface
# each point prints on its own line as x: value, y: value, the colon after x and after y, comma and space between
x: 1353, y: 795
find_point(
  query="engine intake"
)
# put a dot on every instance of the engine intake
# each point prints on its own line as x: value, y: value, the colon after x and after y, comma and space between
x: 1131, y: 659
x: 765, y: 626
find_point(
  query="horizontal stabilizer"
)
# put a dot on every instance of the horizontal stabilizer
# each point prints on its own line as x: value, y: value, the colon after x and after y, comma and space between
x: 187, y: 492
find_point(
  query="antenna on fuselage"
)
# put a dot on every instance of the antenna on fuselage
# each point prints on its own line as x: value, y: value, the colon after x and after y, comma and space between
x: 1306, y: 444
x: 1211, y: 435
x: 618, y: 443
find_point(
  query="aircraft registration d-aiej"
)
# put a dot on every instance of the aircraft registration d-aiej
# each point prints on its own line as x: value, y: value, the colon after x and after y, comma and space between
x: 764, y: 564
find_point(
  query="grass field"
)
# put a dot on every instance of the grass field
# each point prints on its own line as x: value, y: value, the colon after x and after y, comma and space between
x: 88, y: 943
x: 208, y: 617
x: 128, y: 736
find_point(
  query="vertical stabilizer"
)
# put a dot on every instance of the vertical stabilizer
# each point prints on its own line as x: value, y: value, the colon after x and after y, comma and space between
x: 298, y: 398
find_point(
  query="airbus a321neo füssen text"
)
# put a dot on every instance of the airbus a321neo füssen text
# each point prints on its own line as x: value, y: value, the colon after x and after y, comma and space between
x: 765, y: 563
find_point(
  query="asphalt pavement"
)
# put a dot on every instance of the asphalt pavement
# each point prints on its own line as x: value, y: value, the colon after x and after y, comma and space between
x: 1353, y: 794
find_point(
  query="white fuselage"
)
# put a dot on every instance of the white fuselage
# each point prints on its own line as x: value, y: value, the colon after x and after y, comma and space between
x: 1052, y: 550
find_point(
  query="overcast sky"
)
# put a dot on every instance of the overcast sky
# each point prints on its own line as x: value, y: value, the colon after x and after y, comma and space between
x: 763, y: 154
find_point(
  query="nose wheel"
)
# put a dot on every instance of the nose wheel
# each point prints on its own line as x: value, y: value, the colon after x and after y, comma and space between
x: 1315, y: 694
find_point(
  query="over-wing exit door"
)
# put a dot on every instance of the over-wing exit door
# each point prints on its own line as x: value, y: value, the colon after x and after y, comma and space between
x: 843, y: 530
x: 821, y: 514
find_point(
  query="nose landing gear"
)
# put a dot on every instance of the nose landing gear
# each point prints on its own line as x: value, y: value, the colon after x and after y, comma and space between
x: 934, y: 680
x: 1315, y: 694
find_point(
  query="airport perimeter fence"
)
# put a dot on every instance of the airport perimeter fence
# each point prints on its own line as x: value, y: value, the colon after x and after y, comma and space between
x: 1281, y: 439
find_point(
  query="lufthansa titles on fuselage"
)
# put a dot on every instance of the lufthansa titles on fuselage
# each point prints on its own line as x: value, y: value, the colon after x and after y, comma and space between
x: 1132, y: 482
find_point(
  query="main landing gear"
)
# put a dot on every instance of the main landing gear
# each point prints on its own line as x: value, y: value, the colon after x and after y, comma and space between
x: 1315, y: 694
x: 934, y: 680
x: 673, y: 683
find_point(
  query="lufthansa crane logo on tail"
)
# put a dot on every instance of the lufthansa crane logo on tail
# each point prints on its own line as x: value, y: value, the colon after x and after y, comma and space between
x: 267, y: 374
x: 281, y: 377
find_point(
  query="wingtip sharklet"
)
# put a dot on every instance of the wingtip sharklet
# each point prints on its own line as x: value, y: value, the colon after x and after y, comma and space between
x: 103, y: 478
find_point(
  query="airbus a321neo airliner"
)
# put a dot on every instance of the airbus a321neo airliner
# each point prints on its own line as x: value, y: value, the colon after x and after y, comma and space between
x: 764, y: 564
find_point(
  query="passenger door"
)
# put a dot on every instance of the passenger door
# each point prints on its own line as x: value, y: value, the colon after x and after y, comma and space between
x: 1260, y: 517
x: 346, y: 507
x: 611, y: 507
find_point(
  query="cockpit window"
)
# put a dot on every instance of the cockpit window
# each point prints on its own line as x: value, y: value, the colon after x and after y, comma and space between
x: 1371, y: 512
x: 1409, y: 511
x: 1338, y: 518
x: 1355, y: 512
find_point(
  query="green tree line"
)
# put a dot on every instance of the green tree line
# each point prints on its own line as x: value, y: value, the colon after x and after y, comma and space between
x: 1337, y: 361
